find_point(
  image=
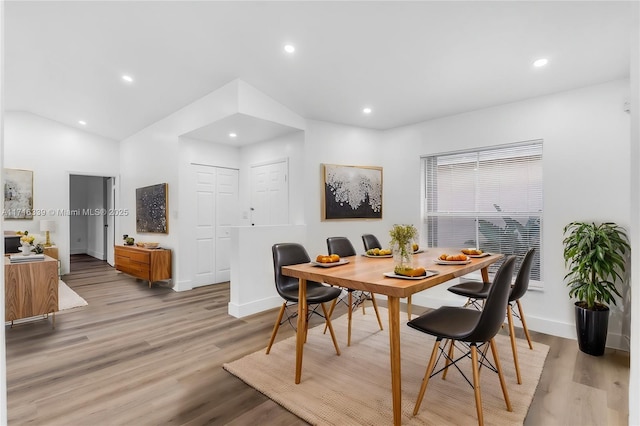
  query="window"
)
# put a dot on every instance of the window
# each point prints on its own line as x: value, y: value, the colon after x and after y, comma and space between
x: 489, y: 198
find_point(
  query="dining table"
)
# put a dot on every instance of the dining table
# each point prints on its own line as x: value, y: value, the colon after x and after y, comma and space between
x: 371, y: 274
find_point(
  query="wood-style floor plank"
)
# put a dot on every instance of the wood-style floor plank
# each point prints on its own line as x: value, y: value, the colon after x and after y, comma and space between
x: 152, y: 356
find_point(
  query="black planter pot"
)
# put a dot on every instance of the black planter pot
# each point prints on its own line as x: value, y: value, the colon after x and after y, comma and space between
x: 591, y: 328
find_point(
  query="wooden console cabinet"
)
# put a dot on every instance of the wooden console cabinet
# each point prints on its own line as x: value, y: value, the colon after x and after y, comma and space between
x: 147, y: 264
x: 30, y: 288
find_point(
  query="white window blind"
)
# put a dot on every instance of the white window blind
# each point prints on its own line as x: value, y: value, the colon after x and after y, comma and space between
x: 489, y: 198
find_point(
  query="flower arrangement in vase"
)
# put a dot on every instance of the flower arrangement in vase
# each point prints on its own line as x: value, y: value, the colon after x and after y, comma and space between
x: 402, y: 240
x: 26, y: 240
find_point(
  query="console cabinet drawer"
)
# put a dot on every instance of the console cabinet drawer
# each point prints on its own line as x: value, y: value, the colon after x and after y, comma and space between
x: 147, y: 264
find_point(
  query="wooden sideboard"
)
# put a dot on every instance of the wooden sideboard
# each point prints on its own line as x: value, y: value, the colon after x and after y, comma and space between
x: 147, y: 264
x: 30, y: 289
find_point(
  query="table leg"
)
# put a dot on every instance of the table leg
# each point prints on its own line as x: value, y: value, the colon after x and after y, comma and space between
x: 394, y: 346
x: 485, y: 274
x: 300, y: 334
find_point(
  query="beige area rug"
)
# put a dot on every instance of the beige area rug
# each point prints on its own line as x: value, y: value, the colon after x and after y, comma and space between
x: 355, y: 388
x: 67, y: 298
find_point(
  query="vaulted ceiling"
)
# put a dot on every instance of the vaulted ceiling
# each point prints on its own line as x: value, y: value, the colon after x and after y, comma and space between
x: 407, y: 61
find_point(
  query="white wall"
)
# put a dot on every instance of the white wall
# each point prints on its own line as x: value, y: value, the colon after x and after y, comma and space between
x: 54, y: 152
x: 634, y: 101
x: 328, y: 143
x: 586, y: 177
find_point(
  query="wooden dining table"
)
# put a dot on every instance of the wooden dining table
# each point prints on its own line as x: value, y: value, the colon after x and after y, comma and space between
x: 367, y: 274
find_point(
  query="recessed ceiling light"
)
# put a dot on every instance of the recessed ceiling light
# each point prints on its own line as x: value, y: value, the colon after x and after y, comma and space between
x: 127, y: 78
x: 366, y: 110
x: 232, y: 135
x: 540, y: 62
x: 289, y: 48
x: 82, y: 122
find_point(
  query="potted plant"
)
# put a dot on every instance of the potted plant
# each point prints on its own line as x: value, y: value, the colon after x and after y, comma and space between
x: 595, y: 255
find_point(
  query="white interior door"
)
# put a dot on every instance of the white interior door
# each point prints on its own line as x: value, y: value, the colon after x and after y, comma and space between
x: 226, y: 216
x: 204, y: 225
x: 270, y: 193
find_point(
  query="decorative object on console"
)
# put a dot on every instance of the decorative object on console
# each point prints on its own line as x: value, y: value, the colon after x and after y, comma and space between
x: 151, y: 209
x: 11, y: 242
x: 351, y: 192
x: 47, y: 226
x: 18, y: 194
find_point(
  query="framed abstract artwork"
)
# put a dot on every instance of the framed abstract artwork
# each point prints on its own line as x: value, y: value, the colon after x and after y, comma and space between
x: 351, y: 192
x: 151, y: 209
x: 18, y: 194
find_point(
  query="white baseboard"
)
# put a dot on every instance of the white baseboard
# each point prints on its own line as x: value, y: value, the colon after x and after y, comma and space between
x: 254, y: 307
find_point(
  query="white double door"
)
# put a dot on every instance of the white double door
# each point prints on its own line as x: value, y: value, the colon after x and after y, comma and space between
x: 216, y: 210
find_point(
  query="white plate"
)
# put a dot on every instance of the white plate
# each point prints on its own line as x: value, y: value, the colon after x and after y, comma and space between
x: 480, y: 255
x: 379, y: 256
x: 404, y: 277
x: 452, y: 262
x: 330, y: 265
x: 418, y: 251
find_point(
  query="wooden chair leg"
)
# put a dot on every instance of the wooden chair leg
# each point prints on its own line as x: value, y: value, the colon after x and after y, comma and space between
x: 514, y: 347
x: 524, y: 323
x: 276, y: 327
x: 327, y: 319
x: 365, y: 299
x: 503, y: 384
x: 448, y: 360
x: 476, y: 383
x: 408, y: 307
x: 333, y: 306
x: 427, y: 374
x: 375, y: 308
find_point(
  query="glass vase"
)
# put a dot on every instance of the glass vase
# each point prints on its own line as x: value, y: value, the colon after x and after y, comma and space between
x: 403, y: 255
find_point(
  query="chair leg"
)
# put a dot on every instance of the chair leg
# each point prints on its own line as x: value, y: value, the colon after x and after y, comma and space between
x: 327, y: 319
x: 524, y: 323
x: 427, y: 375
x: 448, y: 360
x: 503, y: 384
x: 333, y: 306
x: 476, y: 383
x: 363, y: 300
x: 408, y: 308
x: 514, y: 347
x: 375, y: 308
x: 276, y: 327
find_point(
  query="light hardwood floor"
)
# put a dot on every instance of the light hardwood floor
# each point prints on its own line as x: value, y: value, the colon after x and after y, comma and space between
x: 151, y: 356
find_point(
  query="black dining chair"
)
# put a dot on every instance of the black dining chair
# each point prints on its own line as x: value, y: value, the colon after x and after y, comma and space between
x: 475, y: 291
x: 317, y: 294
x: 370, y: 242
x: 355, y: 298
x: 473, y: 329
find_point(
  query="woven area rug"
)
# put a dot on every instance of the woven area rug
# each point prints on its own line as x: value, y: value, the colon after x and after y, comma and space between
x: 67, y: 298
x: 355, y: 388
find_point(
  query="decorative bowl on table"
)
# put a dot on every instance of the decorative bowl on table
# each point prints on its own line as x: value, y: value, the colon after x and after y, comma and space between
x: 148, y: 245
